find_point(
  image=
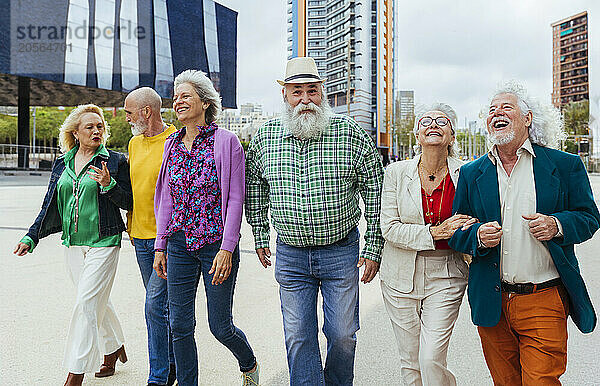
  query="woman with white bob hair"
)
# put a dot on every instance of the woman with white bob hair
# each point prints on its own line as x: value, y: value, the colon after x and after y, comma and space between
x: 198, y: 207
x: 83, y: 202
x: 422, y: 279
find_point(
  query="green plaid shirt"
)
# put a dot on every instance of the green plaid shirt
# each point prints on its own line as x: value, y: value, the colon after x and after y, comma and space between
x: 312, y: 186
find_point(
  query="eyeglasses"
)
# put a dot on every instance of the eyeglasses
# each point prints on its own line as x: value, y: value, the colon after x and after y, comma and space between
x: 440, y: 121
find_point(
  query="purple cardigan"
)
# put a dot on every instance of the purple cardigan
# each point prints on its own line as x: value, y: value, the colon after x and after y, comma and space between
x: 231, y: 172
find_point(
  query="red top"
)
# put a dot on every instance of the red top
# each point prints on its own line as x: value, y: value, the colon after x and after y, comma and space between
x: 431, y: 206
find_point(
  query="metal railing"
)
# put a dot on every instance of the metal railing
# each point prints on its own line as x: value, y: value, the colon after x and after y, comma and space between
x: 27, y: 157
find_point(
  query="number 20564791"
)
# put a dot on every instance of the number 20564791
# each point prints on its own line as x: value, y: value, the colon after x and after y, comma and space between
x: 44, y: 47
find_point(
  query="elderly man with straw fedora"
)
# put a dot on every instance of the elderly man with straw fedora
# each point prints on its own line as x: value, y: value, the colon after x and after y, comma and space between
x: 308, y: 168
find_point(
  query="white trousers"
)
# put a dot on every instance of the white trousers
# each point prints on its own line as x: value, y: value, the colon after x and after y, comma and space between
x: 95, y: 329
x: 423, y: 319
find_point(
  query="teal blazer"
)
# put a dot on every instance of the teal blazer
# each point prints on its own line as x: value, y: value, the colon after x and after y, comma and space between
x: 562, y: 190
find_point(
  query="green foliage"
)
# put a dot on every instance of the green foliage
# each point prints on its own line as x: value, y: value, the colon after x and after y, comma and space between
x: 576, y: 116
x: 468, y: 143
x: 171, y: 119
x: 49, y: 119
x: 570, y: 146
x: 8, y: 129
x: 404, y: 131
x: 245, y: 145
x: 120, y: 130
x: 405, y: 137
x: 47, y: 122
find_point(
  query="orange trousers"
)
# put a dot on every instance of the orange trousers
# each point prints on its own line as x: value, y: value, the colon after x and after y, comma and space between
x: 528, y: 346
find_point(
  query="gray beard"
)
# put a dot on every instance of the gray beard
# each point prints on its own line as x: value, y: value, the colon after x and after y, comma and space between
x: 306, y: 125
x: 502, y: 139
x: 138, y: 128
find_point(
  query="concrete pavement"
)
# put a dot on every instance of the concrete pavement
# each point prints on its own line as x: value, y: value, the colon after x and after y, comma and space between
x: 36, y: 298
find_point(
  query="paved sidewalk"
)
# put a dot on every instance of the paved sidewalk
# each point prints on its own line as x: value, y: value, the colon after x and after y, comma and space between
x: 36, y: 297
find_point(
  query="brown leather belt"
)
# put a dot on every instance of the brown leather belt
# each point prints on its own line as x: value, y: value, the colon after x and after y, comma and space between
x: 529, y: 288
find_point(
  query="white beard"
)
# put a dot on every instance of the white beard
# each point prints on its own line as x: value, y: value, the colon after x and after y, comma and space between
x: 502, y: 139
x: 306, y: 125
x: 139, y: 127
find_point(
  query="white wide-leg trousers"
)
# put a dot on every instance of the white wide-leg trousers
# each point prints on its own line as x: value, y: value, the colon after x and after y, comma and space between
x: 423, y: 319
x: 95, y: 330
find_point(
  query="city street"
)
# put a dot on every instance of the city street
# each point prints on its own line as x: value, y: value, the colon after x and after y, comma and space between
x: 36, y: 298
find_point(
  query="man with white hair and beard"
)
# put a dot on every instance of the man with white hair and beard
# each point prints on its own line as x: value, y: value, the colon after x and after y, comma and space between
x: 534, y: 204
x: 309, y: 167
x: 142, y: 111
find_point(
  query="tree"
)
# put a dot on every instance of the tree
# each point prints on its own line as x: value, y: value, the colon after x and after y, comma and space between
x: 577, y: 116
x: 171, y: 119
x: 405, y: 136
x: 8, y: 129
x: 47, y: 123
x: 120, y: 130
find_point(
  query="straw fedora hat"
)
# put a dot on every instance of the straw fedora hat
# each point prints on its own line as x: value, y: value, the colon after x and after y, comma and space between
x: 301, y: 70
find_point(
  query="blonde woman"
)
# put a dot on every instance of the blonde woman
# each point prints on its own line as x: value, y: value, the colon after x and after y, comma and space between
x: 422, y: 279
x: 83, y: 202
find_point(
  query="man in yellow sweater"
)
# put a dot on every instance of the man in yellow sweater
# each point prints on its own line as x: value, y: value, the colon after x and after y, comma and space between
x: 142, y: 111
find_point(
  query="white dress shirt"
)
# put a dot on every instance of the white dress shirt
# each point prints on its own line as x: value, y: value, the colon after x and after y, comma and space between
x: 523, y: 259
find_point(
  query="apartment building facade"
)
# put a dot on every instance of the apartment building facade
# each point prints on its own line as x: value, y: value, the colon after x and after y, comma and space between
x: 245, y: 121
x: 352, y: 44
x: 570, y: 64
x: 405, y: 100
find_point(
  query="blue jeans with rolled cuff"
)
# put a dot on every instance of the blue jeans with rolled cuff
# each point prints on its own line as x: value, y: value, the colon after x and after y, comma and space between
x: 184, y: 269
x: 160, y: 340
x: 301, y: 272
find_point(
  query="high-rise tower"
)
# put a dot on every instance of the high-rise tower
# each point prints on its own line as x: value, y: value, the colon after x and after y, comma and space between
x: 570, y: 76
x: 352, y: 44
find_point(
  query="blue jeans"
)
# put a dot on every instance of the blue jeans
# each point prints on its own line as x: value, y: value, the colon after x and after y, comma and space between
x: 160, y: 344
x: 184, y: 269
x: 300, y: 273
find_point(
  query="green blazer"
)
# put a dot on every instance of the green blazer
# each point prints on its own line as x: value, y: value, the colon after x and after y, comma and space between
x: 562, y: 190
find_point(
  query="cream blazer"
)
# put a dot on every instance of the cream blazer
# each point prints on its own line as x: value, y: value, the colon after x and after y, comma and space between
x: 402, y: 223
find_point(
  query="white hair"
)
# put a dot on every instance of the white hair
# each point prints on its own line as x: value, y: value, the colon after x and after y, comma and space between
x: 146, y: 96
x: 306, y: 126
x: 142, y: 97
x: 546, y: 127
x: 421, y: 110
x: 205, y: 90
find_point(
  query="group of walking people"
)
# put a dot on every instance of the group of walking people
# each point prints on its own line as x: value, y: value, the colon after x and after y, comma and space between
x: 503, y: 226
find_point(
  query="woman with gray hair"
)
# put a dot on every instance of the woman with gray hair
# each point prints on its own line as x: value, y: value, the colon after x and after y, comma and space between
x: 83, y: 202
x: 198, y: 207
x: 422, y: 279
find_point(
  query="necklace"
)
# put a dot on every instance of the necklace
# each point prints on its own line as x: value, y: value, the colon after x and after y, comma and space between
x: 430, y: 174
x: 77, y: 186
x: 76, y: 195
x: 430, y: 211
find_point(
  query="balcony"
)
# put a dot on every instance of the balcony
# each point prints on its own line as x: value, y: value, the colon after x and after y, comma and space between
x: 573, y: 90
x: 573, y: 73
x: 574, y: 81
x: 574, y: 65
x: 566, y: 32
x: 574, y: 48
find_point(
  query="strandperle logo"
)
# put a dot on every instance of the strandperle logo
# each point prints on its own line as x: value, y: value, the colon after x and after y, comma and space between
x: 82, y: 31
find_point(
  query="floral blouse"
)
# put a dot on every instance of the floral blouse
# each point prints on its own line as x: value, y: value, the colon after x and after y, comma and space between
x: 195, y: 189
